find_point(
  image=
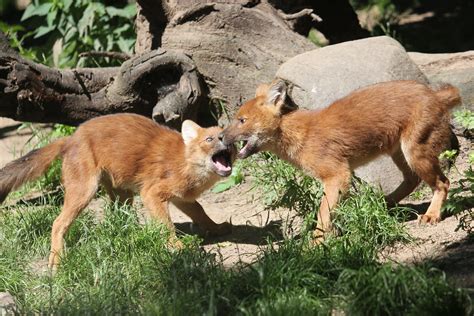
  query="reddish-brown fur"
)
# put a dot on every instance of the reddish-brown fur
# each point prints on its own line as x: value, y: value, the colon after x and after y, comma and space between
x: 127, y: 153
x: 404, y: 119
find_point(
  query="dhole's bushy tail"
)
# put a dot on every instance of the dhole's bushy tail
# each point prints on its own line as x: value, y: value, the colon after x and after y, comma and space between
x: 448, y: 95
x: 28, y: 167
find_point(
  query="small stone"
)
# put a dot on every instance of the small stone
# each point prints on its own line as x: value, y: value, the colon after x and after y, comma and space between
x: 7, y: 304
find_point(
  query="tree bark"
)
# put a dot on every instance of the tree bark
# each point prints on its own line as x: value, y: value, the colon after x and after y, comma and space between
x: 236, y: 45
x: 162, y: 83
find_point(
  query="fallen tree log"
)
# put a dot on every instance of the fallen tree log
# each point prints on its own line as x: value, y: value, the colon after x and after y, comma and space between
x: 162, y: 83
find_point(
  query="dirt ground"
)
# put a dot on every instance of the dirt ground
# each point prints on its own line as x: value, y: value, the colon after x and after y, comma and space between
x: 450, y: 249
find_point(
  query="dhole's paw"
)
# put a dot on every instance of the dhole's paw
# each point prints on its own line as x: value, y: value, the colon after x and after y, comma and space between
x: 428, y: 219
x: 53, y: 269
x: 175, y: 243
x: 220, y: 229
x: 53, y: 263
x: 316, y: 241
x: 318, y: 238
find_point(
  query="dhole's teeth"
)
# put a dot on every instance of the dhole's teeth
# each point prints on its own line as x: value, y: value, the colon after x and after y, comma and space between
x: 242, y: 144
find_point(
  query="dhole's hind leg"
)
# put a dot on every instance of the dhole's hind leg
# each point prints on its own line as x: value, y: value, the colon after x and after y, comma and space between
x: 79, y: 190
x: 410, y: 180
x: 424, y: 161
x: 334, y: 185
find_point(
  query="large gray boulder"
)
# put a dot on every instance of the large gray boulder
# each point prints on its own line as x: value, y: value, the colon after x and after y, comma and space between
x: 322, y: 76
x: 454, y: 68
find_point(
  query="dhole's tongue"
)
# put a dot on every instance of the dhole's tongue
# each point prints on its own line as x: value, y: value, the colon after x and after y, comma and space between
x: 222, y: 164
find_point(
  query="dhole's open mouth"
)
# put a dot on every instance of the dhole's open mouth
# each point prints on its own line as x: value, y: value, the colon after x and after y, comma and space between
x: 248, y: 148
x: 222, y: 161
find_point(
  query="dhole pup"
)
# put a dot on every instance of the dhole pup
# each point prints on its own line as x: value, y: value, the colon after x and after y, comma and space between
x: 128, y: 153
x: 404, y: 119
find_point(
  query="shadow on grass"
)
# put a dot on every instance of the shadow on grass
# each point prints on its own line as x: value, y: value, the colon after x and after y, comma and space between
x: 412, y: 210
x: 457, y: 261
x: 41, y: 199
x: 242, y: 234
x: 463, y: 203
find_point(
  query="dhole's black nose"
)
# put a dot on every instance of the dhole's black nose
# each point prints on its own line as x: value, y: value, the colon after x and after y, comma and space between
x: 221, y: 136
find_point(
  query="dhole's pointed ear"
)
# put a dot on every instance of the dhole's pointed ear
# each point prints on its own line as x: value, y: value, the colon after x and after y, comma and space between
x: 276, y: 94
x: 189, y: 131
x: 262, y: 90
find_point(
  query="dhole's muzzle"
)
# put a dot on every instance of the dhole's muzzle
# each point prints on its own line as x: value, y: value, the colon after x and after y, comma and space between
x: 222, y: 158
x: 249, y: 144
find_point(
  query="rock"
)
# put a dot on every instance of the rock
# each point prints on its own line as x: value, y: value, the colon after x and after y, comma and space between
x: 7, y: 304
x: 324, y: 75
x: 456, y: 69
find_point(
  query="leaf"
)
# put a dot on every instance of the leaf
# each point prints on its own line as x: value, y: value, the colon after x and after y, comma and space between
x: 235, y: 178
x: 121, y: 29
x: 125, y: 45
x: 70, y: 34
x: 127, y: 12
x: 67, y: 4
x: 51, y: 17
x: 11, y: 28
x: 99, y: 8
x: 57, y: 49
x: 98, y: 45
x: 43, y: 30
x: 86, y: 20
x: 110, y: 42
x: 33, y: 10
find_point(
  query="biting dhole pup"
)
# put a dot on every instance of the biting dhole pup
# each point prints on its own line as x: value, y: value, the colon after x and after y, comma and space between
x: 129, y: 153
x: 404, y: 119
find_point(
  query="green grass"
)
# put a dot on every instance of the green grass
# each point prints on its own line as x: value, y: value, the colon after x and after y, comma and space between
x: 461, y: 195
x: 118, y: 265
x: 282, y: 185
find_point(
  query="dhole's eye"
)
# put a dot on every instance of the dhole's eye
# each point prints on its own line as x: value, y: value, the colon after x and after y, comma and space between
x: 242, y: 120
x: 209, y: 139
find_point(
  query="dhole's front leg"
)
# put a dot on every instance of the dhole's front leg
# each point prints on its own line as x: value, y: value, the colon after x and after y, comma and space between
x: 333, y: 188
x: 195, y: 211
x: 157, y: 205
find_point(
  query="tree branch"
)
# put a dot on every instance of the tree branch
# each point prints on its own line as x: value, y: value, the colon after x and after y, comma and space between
x: 115, y: 55
x: 302, y: 13
x: 161, y: 83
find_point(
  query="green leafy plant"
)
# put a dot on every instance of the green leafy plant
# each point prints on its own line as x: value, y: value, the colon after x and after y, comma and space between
x: 71, y: 27
x: 284, y: 185
x: 235, y: 178
x: 465, y: 117
x: 449, y: 155
x: 17, y: 35
x: 461, y: 195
